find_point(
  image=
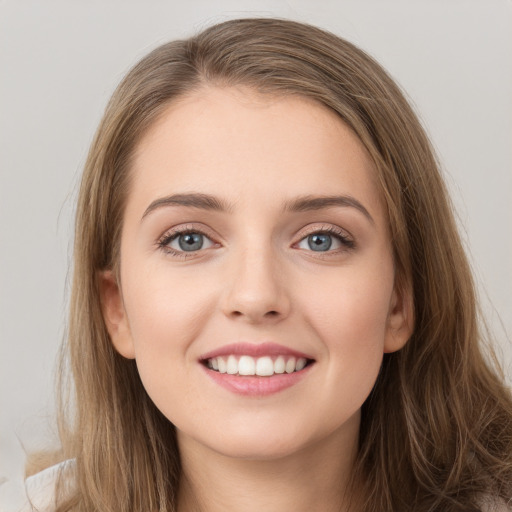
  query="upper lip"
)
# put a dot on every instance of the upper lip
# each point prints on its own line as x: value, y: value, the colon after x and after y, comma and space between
x: 254, y: 350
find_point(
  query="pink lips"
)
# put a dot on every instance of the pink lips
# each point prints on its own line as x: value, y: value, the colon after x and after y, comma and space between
x: 253, y: 350
x: 255, y: 385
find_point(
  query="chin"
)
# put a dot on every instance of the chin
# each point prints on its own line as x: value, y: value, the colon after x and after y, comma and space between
x: 262, y: 448
x: 264, y: 441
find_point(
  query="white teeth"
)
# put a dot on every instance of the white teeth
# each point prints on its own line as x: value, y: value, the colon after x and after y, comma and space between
x: 222, y: 365
x: 232, y: 367
x: 247, y: 366
x: 279, y: 365
x: 264, y: 367
x: 301, y: 363
x: 261, y: 366
x: 290, y: 365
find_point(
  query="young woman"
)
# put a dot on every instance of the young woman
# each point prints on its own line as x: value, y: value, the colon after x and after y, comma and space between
x: 271, y: 307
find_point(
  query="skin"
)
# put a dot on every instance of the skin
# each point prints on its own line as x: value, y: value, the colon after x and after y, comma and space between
x: 256, y: 279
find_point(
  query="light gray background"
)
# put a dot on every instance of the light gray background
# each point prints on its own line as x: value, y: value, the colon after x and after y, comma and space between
x: 59, y: 62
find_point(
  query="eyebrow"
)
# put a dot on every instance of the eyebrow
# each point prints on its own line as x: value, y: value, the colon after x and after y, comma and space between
x: 299, y: 204
x: 312, y: 203
x: 201, y: 201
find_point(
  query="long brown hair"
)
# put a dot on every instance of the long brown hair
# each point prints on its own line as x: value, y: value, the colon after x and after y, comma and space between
x: 436, y: 431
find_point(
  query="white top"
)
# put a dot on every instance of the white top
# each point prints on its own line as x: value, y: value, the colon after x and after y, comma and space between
x: 39, y: 491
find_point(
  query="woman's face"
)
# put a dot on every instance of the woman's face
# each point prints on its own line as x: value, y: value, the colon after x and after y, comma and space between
x: 257, y: 282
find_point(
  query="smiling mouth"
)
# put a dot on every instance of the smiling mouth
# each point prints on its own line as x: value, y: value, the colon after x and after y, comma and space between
x: 265, y: 366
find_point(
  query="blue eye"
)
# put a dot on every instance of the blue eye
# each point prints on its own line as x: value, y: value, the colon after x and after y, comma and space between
x: 319, y: 242
x: 189, y: 241
x: 325, y: 241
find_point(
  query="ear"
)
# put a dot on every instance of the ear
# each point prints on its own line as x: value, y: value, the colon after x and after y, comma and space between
x: 114, y: 314
x: 400, y: 319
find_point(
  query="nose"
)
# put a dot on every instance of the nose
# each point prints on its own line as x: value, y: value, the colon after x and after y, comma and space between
x: 256, y: 290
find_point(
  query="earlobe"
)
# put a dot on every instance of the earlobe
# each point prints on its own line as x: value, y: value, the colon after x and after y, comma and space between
x: 114, y: 314
x: 400, y: 320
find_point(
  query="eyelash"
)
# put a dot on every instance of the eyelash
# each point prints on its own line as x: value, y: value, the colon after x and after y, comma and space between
x: 168, y: 237
x: 345, y: 240
x: 163, y: 243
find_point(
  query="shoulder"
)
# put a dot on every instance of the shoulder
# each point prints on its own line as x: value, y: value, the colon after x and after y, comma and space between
x: 40, y: 488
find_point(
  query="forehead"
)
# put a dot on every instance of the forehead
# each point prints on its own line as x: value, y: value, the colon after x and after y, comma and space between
x: 242, y: 144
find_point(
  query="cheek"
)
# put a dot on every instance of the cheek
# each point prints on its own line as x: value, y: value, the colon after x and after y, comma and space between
x: 166, y: 313
x: 351, y: 305
x: 162, y: 331
x: 165, y: 309
x: 349, y: 313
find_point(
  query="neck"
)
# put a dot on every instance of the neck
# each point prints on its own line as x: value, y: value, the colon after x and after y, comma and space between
x: 314, y: 479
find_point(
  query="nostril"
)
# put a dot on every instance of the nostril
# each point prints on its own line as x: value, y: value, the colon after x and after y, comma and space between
x: 268, y: 313
x: 254, y: 312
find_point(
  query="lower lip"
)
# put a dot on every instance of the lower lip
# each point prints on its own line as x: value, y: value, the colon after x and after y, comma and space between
x: 254, y: 385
